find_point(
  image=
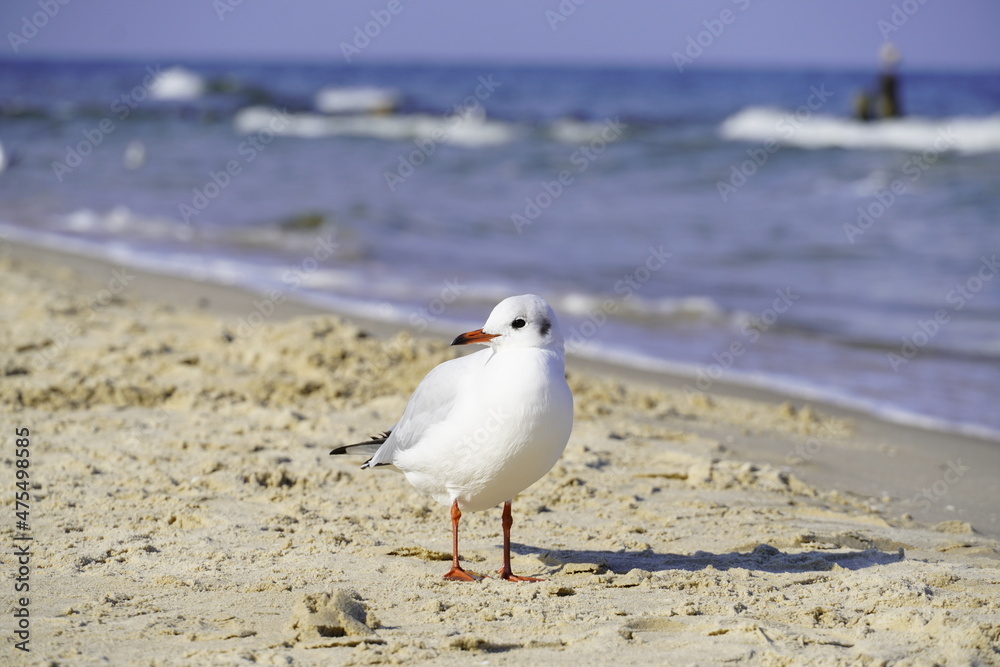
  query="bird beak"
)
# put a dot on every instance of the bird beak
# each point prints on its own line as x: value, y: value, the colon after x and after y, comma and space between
x: 477, y: 336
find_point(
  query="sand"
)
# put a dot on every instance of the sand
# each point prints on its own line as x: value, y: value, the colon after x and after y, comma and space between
x: 185, y: 511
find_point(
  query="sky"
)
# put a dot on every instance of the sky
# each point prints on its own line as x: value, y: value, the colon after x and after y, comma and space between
x: 939, y: 34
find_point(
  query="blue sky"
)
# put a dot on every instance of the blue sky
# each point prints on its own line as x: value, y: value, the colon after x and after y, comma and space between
x: 930, y: 33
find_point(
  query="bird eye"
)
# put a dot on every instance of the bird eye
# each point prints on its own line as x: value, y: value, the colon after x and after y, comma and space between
x: 518, y: 323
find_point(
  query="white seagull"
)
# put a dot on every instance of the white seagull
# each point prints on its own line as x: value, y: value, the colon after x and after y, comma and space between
x: 481, y: 428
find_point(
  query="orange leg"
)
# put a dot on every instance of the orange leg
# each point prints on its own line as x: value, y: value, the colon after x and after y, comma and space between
x: 507, y: 521
x: 456, y: 573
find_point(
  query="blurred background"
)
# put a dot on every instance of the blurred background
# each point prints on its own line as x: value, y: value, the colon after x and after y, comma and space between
x: 800, y: 196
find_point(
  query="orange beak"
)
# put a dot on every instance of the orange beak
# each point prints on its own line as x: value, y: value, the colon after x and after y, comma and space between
x: 477, y: 336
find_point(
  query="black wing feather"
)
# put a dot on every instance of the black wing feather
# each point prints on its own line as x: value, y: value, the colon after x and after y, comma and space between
x: 367, y: 445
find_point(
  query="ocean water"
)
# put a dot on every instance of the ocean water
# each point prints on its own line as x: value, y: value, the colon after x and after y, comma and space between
x: 731, y: 226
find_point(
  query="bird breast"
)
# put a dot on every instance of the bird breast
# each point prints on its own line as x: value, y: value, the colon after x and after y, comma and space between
x: 517, y: 418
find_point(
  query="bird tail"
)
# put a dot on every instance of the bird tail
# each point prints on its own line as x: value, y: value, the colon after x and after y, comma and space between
x: 368, y: 447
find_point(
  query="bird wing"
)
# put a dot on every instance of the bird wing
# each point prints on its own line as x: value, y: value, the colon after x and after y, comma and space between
x: 430, y: 404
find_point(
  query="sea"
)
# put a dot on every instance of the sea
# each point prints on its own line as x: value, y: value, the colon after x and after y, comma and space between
x: 728, y: 226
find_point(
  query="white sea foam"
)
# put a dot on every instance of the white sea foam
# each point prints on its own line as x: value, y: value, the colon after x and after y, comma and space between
x: 134, y: 155
x: 470, y: 131
x: 964, y: 134
x: 121, y: 219
x: 668, y: 310
x: 177, y: 83
x: 359, y: 99
x: 572, y: 131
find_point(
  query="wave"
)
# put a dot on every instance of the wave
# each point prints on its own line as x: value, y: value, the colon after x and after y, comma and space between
x: 469, y: 131
x: 963, y: 134
x: 664, y: 311
x: 119, y: 220
x: 176, y: 83
x: 572, y: 131
x: 359, y: 99
x: 287, y: 236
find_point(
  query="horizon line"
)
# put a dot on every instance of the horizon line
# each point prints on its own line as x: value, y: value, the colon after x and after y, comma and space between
x: 443, y: 61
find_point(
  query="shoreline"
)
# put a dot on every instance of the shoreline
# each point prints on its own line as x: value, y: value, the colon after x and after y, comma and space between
x: 652, y: 371
x: 899, y: 470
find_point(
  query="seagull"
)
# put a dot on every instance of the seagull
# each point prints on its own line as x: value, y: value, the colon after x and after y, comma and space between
x: 481, y: 428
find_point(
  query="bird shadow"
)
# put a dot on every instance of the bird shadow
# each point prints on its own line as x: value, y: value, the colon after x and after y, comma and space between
x: 763, y: 558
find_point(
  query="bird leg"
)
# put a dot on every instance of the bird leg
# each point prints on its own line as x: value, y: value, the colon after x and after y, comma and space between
x: 507, y: 521
x: 456, y: 573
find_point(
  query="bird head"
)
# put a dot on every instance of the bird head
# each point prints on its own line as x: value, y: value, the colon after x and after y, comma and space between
x: 518, y: 321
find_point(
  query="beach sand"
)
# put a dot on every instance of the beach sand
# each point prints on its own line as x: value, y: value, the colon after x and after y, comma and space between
x: 184, y: 509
